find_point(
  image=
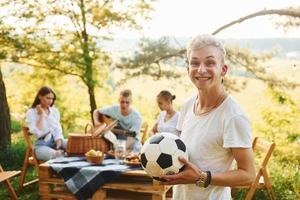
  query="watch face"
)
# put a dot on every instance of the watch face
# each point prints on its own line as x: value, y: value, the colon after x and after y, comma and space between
x: 200, y: 183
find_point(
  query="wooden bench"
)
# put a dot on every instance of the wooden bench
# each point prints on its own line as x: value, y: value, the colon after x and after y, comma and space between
x: 133, y: 181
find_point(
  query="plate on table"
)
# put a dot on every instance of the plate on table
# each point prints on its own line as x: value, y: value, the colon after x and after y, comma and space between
x: 132, y: 163
x: 132, y: 160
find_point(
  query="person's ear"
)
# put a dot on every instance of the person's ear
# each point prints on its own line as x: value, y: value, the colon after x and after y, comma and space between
x: 224, y: 70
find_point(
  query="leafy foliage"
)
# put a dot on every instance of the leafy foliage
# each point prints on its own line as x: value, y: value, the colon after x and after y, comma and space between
x: 151, y: 59
x: 281, y: 124
x: 66, y: 36
x: 158, y: 58
x: 289, y: 22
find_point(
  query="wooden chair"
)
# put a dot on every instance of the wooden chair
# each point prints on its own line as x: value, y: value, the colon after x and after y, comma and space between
x: 29, y: 160
x: 4, y: 177
x: 144, y: 132
x: 263, y: 150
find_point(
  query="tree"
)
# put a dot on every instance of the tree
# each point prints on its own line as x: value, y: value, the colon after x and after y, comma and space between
x: 4, y: 116
x: 68, y: 36
x: 8, y: 48
x: 152, y: 54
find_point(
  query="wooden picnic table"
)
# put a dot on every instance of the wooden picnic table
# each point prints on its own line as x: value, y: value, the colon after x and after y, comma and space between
x: 52, y: 186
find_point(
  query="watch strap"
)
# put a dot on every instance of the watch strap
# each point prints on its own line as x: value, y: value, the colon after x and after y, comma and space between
x: 208, y: 179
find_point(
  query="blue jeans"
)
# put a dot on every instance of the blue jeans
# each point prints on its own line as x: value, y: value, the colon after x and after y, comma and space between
x: 46, y: 150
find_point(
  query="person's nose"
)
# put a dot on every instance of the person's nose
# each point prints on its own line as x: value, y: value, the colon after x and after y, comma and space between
x: 201, y: 68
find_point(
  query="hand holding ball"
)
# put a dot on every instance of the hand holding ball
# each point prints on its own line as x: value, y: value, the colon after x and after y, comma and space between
x: 159, y: 155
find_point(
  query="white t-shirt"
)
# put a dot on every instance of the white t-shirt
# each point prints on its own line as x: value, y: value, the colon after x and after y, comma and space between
x: 208, y: 139
x: 169, y: 125
x: 51, y: 123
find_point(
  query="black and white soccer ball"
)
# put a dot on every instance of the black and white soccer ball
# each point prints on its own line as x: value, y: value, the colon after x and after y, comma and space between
x: 159, y: 154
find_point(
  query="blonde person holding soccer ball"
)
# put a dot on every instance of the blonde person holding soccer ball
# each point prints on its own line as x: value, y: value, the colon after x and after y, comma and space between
x: 43, y: 120
x: 214, y: 128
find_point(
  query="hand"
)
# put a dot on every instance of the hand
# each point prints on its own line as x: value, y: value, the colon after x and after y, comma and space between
x: 58, y: 143
x: 39, y: 109
x: 189, y: 175
x: 58, y: 154
x: 99, y: 129
x: 129, y: 143
x: 97, y: 123
x: 129, y: 133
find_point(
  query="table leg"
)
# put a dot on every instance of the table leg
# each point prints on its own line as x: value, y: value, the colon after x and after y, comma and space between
x: 44, y: 190
x: 158, y: 197
x: 99, y: 195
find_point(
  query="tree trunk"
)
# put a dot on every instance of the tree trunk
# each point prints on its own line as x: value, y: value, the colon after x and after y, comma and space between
x: 5, y: 138
x: 90, y: 82
x: 92, y: 100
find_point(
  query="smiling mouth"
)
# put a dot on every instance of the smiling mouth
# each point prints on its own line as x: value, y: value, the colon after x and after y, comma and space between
x: 202, y: 78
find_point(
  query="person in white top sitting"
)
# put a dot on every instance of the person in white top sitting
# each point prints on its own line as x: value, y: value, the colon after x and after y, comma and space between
x: 214, y: 128
x: 43, y: 120
x: 167, y: 119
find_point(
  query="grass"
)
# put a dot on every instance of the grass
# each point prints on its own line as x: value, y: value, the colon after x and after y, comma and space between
x: 29, y: 192
x: 12, y: 159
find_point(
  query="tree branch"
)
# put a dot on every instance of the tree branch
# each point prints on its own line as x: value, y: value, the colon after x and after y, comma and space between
x: 285, y: 12
x: 268, y: 80
x: 47, y: 68
x: 177, y: 54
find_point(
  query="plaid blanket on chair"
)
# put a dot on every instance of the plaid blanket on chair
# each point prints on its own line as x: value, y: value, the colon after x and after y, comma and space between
x: 82, y: 178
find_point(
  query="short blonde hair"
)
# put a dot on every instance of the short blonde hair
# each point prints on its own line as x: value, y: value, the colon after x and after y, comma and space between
x: 126, y: 93
x: 201, y: 41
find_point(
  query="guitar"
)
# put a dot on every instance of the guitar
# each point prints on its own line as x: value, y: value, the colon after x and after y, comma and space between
x: 108, y: 123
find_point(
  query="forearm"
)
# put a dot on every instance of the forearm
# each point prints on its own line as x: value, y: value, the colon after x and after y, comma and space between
x: 96, y: 116
x: 37, y: 130
x: 154, y: 129
x: 58, y: 143
x: 56, y: 131
x: 38, y: 133
x: 243, y: 175
x: 40, y: 122
x: 237, y: 177
x: 123, y: 132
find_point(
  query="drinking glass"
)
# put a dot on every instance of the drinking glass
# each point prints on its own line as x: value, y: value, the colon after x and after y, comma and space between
x: 120, y: 151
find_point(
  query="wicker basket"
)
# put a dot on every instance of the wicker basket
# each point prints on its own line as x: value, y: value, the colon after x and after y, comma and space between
x: 95, y: 159
x: 80, y: 143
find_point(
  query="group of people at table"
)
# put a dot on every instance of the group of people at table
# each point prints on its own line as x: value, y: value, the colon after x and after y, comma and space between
x: 214, y: 128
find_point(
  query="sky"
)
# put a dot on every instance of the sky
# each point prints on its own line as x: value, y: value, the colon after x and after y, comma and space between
x: 186, y: 18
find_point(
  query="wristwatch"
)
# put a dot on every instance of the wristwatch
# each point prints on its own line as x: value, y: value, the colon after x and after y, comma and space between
x: 201, y: 180
x: 204, y: 179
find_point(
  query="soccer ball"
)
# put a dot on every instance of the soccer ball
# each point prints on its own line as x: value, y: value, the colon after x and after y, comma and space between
x: 159, y: 155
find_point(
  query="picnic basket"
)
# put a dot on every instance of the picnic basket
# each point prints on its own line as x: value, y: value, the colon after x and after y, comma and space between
x: 80, y: 143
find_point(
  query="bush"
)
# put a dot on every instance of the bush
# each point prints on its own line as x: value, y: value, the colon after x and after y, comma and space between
x: 13, y: 156
x: 12, y: 159
x: 281, y: 125
x: 16, y: 126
